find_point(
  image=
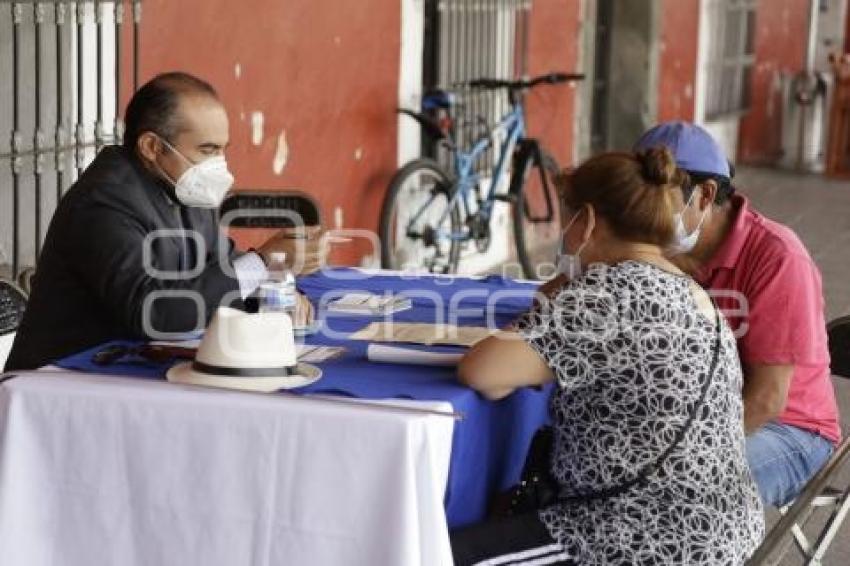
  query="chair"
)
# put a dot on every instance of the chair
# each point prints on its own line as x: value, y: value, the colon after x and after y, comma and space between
x: 838, y: 333
x: 12, y: 304
x: 269, y: 209
x: 819, y: 493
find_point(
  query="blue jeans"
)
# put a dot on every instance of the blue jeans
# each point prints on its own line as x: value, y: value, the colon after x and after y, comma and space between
x: 783, y: 458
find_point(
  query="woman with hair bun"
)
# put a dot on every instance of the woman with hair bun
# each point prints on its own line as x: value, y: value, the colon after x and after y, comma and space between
x: 647, y: 422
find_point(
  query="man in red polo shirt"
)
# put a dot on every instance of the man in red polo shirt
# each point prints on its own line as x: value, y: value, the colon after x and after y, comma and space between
x: 770, y: 290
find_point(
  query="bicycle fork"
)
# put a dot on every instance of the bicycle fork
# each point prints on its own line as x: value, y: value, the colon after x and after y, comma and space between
x: 529, y: 153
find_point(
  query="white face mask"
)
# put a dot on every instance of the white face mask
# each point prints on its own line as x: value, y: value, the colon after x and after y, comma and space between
x: 203, y: 184
x: 682, y: 241
x: 569, y: 264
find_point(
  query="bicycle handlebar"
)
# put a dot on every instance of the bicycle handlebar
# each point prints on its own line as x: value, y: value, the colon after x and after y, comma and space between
x: 551, y: 78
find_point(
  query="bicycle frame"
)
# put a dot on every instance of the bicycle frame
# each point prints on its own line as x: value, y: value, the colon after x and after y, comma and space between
x: 512, y: 127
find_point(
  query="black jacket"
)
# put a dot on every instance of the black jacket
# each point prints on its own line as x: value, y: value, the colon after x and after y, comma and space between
x: 91, y: 283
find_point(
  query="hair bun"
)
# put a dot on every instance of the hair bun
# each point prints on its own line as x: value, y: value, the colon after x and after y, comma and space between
x: 658, y: 166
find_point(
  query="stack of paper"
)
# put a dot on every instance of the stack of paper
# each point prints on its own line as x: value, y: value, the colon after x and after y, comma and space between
x: 423, y: 333
x: 407, y: 355
x: 369, y: 304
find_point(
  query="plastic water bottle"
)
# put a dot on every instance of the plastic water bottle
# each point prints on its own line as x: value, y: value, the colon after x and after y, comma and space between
x: 278, y: 292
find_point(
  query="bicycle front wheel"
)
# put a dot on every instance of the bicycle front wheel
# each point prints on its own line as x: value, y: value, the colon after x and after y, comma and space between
x: 419, y: 230
x: 536, y: 215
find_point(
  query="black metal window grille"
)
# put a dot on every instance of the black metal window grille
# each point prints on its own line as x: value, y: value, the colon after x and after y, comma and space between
x: 731, y: 56
x: 58, y: 107
x: 471, y: 39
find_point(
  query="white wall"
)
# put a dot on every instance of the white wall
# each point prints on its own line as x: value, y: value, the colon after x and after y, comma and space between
x: 724, y: 130
x: 410, y: 77
x: 831, y: 21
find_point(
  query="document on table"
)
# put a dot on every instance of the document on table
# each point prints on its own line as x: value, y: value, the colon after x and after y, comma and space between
x: 370, y: 304
x: 408, y: 355
x: 317, y: 354
x: 423, y: 333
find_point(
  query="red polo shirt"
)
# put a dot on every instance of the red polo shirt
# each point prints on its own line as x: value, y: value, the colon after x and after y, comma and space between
x: 770, y: 290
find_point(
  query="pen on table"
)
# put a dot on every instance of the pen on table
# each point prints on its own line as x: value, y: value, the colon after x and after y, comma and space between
x: 303, y: 236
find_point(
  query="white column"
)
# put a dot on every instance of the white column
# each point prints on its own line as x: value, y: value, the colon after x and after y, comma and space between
x: 410, y: 77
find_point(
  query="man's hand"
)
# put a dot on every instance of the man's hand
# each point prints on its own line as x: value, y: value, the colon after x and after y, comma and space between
x: 303, y: 246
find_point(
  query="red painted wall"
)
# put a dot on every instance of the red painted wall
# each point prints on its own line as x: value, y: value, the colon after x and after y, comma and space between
x: 678, y: 60
x: 323, y: 72
x: 553, y: 47
x: 780, y: 46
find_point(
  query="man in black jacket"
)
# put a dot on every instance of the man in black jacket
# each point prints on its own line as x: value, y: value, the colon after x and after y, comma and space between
x: 135, y: 248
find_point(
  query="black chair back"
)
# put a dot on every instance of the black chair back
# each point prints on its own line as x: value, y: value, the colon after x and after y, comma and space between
x: 13, y: 301
x: 269, y: 209
x: 838, y: 334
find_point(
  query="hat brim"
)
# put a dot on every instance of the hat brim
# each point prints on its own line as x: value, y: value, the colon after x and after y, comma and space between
x: 305, y: 374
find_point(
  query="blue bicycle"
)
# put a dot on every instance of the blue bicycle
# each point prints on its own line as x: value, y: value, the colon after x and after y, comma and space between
x: 430, y: 214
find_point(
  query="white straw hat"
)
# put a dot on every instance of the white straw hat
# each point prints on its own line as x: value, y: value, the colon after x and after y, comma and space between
x: 255, y: 352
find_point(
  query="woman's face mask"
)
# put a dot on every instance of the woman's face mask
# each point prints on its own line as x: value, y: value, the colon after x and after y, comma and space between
x: 682, y: 241
x: 203, y: 184
x: 569, y: 264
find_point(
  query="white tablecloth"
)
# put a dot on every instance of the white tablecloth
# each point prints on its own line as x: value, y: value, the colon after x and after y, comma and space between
x: 123, y: 472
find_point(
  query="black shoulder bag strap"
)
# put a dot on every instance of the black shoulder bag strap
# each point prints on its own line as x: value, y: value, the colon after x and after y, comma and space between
x: 643, y: 475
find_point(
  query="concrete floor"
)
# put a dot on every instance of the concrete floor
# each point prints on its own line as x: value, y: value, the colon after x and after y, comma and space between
x: 818, y: 210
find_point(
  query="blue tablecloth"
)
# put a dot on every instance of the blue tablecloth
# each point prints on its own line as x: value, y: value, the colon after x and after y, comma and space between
x: 489, y: 443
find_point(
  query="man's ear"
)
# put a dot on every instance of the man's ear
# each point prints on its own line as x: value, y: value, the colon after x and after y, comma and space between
x: 708, y: 194
x: 148, y: 146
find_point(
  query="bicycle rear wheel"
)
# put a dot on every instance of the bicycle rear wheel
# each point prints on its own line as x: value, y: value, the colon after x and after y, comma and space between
x: 417, y: 226
x: 536, y: 213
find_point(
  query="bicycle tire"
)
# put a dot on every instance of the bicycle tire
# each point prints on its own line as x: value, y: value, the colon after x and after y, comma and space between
x: 392, y: 255
x: 536, y: 247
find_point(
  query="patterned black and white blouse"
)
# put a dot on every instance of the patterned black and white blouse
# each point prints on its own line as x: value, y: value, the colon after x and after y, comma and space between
x: 630, y: 350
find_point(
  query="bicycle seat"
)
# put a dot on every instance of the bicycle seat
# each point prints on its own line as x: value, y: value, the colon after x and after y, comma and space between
x: 439, y: 130
x: 434, y: 99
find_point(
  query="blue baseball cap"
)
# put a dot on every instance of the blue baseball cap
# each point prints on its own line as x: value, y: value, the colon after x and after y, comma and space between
x: 694, y: 148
